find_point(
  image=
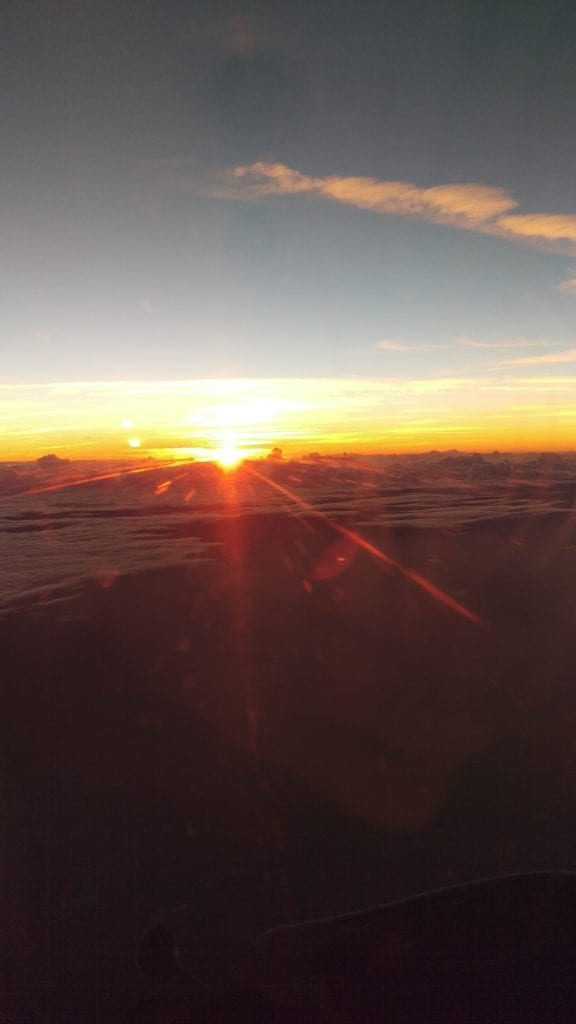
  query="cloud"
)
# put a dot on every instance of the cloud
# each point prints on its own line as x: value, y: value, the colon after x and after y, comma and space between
x: 500, y: 343
x: 555, y: 227
x: 465, y: 204
x: 400, y: 346
x: 461, y: 205
x: 468, y: 206
x: 569, y: 285
x: 393, y: 345
x: 271, y: 179
x: 567, y: 356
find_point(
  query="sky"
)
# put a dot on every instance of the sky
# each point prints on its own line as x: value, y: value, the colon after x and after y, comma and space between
x: 363, y: 214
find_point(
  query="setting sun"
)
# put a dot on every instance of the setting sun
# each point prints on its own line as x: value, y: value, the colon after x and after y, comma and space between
x: 228, y: 457
x: 193, y: 419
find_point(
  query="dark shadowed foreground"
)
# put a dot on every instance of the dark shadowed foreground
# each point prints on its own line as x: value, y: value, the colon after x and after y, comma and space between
x: 501, y: 950
x: 293, y: 729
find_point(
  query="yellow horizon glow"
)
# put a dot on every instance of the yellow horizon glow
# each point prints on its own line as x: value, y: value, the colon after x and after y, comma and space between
x: 229, y: 420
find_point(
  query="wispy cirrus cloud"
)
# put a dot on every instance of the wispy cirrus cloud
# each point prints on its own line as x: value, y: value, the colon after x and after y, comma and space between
x: 459, y: 343
x: 464, y: 205
x: 396, y: 345
x: 402, y: 346
x: 568, y: 286
x: 468, y: 206
x: 500, y: 343
x: 566, y: 356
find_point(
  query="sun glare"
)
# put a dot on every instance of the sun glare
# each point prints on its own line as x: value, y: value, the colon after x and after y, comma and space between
x: 228, y: 457
x: 195, y: 420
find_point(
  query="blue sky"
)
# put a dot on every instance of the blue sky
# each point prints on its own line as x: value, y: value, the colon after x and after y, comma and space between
x: 131, y: 251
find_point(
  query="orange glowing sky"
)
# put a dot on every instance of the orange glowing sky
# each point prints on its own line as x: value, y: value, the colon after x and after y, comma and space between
x: 353, y: 232
x: 229, y: 419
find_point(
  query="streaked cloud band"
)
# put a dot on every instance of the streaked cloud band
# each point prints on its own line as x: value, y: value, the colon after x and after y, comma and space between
x: 467, y: 206
x: 297, y: 414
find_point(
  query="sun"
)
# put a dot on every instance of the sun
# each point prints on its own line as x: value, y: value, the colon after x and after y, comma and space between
x: 228, y: 457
